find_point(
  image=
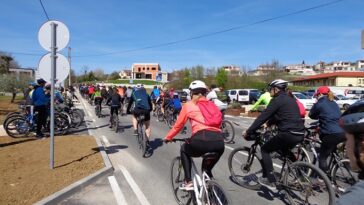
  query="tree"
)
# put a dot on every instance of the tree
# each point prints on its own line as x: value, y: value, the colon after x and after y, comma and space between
x: 221, y: 77
x: 186, y: 77
x: 114, y: 76
x: 13, y: 84
x: 99, y: 74
x: 84, y: 71
x: 7, y: 62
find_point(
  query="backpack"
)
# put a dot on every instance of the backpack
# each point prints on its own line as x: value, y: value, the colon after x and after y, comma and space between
x: 177, y: 104
x: 141, y: 100
x: 155, y: 93
x: 211, y: 113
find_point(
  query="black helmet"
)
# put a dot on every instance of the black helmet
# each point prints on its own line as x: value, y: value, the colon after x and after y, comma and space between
x: 278, y: 83
x: 352, y: 120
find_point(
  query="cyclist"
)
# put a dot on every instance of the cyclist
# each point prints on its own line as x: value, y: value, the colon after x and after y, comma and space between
x: 142, y: 105
x: 91, y: 90
x: 154, y: 95
x: 204, y: 139
x: 353, y: 123
x: 284, y: 113
x: 328, y: 113
x: 104, y: 93
x: 97, y: 97
x: 114, y: 101
x: 40, y: 102
x: 265, y: 99
x: 212, y: 95
x: 166, y: 99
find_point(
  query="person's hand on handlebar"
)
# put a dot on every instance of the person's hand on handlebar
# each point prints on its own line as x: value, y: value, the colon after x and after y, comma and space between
x: 167, y: 140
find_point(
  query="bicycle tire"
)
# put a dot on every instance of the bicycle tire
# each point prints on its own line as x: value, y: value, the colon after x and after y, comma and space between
x: 115, y: 121
x: 76, y: 118
x: 228, y: 136
x: 306, y: 188
x: 240, y: 166
x: 214, y: 194
x: 177, y: 178
x: 10, y: 115
x: 20, y: 125
x: 342, y: 183
x: 160, y: 115
x: 302, y: 155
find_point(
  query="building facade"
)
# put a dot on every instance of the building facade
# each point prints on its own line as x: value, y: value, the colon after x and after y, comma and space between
x: 23, y: 72
x: 332, y: 79
x: 145, y: 71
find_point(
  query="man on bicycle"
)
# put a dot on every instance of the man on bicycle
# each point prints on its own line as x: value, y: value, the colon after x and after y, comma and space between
x: 154, y: 95
x: 142, y: 105
x: 205, y: 138
x: 97, y: 97
x: 282, y: 111
x: 353, y: 123
x: 115, y: 102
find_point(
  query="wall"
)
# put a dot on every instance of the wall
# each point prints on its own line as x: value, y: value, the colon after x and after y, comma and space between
x: 345, y: 81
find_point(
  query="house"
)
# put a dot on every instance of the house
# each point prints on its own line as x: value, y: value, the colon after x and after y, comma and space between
x: 232, y: 70
x: 299, y: 69
x: 263, y: 70
x: 125, y: 74
x: 23, y: 72
x: 332, y: 79
x: 145, y: 71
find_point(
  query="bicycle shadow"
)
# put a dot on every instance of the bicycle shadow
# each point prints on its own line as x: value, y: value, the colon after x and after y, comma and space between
x: 270, y: 195
x: 95, y: 149
x: 114, y: 148
x: 153, y: 145
x: 17, y: 142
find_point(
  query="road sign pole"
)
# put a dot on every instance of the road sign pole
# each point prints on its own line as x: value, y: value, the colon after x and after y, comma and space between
x: 53, y: 77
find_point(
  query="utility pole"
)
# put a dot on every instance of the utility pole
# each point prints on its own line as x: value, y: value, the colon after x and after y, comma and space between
x: 69, y: 60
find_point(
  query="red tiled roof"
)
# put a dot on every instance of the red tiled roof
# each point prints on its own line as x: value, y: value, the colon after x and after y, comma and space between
x: 331, y: 75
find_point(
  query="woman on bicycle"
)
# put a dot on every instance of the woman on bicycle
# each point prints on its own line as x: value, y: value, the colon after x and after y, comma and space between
x: 328, y: 113
x: 114, y: 101
x: 353, y: 123
x: 204, y: 138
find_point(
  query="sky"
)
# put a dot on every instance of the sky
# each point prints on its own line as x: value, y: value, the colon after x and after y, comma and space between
x: 125, y: 28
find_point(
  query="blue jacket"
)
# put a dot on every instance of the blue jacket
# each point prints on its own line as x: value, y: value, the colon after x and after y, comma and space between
x: 39, y: 97
x: 328, y: 113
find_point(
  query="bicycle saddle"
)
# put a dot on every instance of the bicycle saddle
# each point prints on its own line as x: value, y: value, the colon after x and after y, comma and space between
x: 210, y: 155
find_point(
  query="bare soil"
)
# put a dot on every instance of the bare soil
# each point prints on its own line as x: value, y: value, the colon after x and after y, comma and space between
x: 26, y: 176
x: 6, y: 106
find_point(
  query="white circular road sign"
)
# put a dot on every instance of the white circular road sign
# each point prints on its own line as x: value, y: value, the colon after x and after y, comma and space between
x: 45, y: 66
x: 45, y: 35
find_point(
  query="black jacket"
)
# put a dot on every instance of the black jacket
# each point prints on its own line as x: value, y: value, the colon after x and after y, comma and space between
x: 115, y: 100
x: 282, y: 111
x: 328, y: 113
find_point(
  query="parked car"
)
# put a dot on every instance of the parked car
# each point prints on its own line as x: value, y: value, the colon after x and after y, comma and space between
x: 239, y: 95
x: 182, y: 95
x: 188, y: 93
x: 309, y: 93
x: 306, y: 101
x: 344, y: 102
x: 254, y: 95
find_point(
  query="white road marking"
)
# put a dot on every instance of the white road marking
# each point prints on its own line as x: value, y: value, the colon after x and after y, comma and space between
x: 120, y: 199
x: 246, y: 154
x: 106, y: 141
x: 134, y: 186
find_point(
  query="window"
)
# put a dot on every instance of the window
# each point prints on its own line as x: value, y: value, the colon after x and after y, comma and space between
x: 139, y: 69
x: 147, y: 68
x: 243, y: 92
x: 153, y: 68
x: 143, y: 68
x: 233, y: 92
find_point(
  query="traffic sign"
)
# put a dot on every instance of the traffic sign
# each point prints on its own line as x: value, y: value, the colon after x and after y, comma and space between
x: 62, y: 65
x: 44, y: 35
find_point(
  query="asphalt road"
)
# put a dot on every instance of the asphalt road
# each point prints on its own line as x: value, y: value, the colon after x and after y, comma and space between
x: 147, y: 180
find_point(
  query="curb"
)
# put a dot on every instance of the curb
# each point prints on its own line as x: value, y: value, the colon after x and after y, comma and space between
x: 79, y: 185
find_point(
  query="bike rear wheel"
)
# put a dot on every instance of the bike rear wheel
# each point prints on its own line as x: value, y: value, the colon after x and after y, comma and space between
x: 342, y: 176
x: 301, y: 188
x: 115, y: 122
x: 228, y: 131
x: 142, y: 139
x: 245, y: 168
x: 214, y: 194
x: 177, y: 178
x: 17, y: 127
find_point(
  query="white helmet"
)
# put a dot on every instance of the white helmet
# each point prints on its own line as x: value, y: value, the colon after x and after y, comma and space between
x: 197, y: 84
x: 279, y: 83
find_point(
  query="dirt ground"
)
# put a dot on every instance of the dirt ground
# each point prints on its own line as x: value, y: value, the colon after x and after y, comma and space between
x: 24, y: 166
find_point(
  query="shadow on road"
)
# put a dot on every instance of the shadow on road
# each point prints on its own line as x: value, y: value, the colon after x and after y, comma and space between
x: 154, y: 144
x: 96, y: 150
x: 114, y: 148
x: 73, y: 131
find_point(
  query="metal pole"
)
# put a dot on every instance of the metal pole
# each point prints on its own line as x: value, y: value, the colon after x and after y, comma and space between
x: 69, y: 60
x: 53, y: 78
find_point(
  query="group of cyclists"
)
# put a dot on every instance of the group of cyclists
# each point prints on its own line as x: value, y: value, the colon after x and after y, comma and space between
x: 282, y: 110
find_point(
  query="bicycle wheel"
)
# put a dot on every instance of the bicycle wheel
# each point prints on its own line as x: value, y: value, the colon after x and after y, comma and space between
x: 142, y: 139
x: 61, y: 124
x: 228, y: 131
x: 214, y: 194
x: 302, y: 155
x: 303, y: 189
x: 115, y: 122
x: 342, y: 176
x: 177, y: 177
x: 160, y: 115
x: 11, y: 115
x: 17, y: 127
x: 76, y: 118
x: 245, y: 168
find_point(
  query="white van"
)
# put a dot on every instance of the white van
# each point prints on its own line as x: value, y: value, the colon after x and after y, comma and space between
x: 239, y: 95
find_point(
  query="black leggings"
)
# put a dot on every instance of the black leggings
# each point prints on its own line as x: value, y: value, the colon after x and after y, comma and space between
x: 202, y: 142
x: 328, y: 145
x: 284, y: 142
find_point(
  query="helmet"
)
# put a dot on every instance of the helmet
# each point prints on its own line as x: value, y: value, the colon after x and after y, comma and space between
x: 322, y: 90
x: 278, y: 83
x: 48, y: 86
x: 352, y: 120
x: 197, y: 84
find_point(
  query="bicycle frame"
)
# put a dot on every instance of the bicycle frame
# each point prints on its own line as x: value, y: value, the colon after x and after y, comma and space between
x: 199, y: 184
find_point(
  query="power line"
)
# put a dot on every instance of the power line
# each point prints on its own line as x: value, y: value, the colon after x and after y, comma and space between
x: 45, y: 12
x: 216, y: 32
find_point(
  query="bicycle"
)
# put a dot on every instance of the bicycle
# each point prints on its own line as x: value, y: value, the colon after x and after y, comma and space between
x: 98, y: 110
x: 228, y: 131
x: 205, y: 189
x: 141, y: 138
x: 340, y: 173
x: 114, y: 122
x: 300, y: 181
